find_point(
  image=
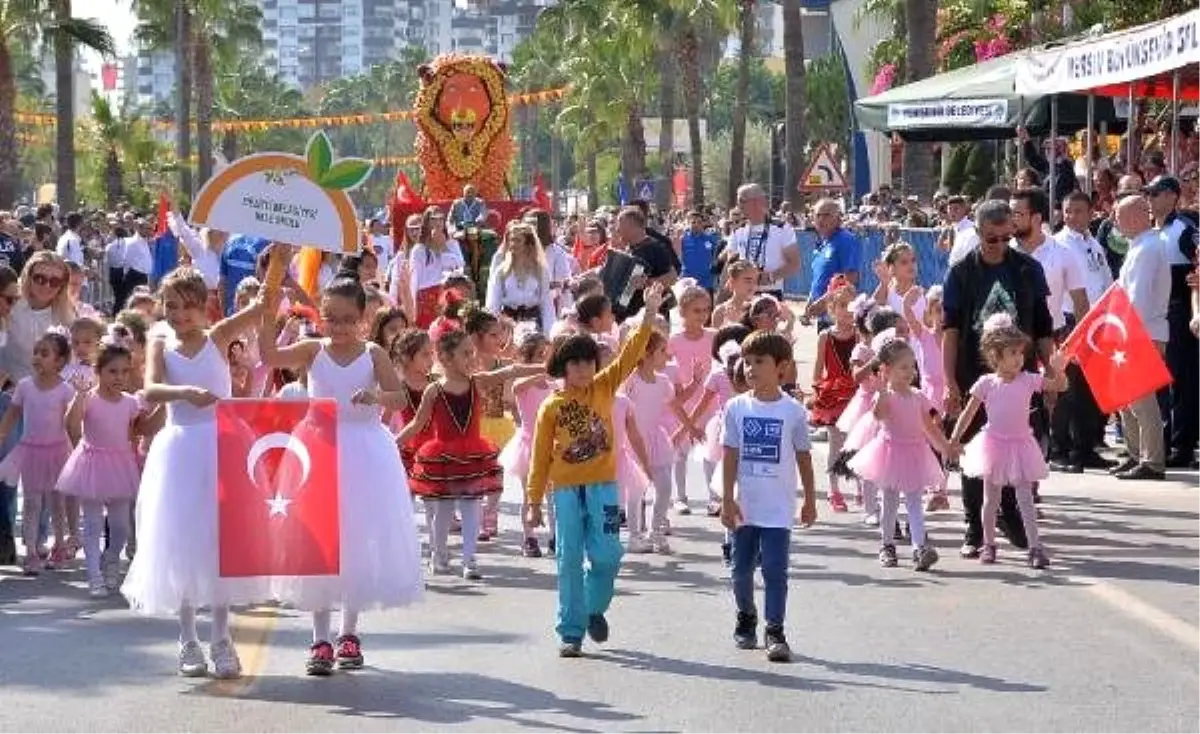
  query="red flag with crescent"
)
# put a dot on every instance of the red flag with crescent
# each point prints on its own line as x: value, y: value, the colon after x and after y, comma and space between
x: 160, y: 218
x: 405, y: 193
x: 1115, y: 352
x: 540, y: 194
x: 277, y: 488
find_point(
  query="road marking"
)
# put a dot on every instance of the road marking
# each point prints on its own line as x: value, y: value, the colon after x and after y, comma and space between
x: 1123, y: 601
x: 252, y: 637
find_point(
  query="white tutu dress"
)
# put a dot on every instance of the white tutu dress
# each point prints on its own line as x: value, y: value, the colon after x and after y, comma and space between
x: 177, y: 557
x: 380, y: 551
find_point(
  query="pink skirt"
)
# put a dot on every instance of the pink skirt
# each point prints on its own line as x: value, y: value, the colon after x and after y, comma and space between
x: 859, y: 406
x: 659, y: 451
x: 1003, y: 460
x: 903, y: 466
x: 99, y: 473
x: 35, y: 465
x: 861, y: 432
x: 935, y: 390
x: 514, y: 457
x: 630, y: 477
x: 714, y: 448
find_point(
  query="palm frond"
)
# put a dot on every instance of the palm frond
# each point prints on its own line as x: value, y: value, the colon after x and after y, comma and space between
x: 88, y: 32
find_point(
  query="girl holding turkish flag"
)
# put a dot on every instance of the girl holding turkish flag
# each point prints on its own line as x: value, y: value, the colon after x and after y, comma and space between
x: 380, y: 555
x: 176, y: 567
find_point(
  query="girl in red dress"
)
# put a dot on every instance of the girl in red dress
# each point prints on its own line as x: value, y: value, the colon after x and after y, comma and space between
x: 833, y: 382
x: 457, y: 465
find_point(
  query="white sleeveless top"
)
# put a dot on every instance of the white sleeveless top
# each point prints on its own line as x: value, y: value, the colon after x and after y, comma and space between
x: 207, y: 369
x: 328, y: 379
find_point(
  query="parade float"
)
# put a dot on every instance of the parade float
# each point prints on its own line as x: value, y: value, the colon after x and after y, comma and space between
x: 461, y: 112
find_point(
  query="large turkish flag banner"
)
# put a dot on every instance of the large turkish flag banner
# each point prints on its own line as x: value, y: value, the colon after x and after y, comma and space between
x: 1117, y: 356
x: 277, y: 488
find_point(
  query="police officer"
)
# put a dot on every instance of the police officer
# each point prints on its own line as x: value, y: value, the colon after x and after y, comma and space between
x: 1179, y: 401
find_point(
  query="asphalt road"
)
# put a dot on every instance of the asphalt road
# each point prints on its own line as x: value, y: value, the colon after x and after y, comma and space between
x: 1105, y: 640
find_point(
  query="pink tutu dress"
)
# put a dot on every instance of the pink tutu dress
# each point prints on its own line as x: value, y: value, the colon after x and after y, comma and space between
x: 629, y: 471
x: 1004, y: 452
x: 860, y: 404
x: 515, y: 455
x: 103, y: 466
x: 692, y: 357
x: 899, y: 456
x: 38, y: 459
x: 717, y: 383
x: 651, y: 405
x: 933, y: 376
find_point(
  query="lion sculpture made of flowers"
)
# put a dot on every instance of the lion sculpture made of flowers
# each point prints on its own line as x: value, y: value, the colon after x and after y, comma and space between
x: 462, y: 123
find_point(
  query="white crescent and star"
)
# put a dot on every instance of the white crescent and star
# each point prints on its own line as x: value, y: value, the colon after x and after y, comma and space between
x: 1118, y: 356
x: 278, y: 504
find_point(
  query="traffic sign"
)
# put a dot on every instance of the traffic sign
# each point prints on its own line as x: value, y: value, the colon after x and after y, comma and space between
x: 823, y: 174
x: 645, y: 190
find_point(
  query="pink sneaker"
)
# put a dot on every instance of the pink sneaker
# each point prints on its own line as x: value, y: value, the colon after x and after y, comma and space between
x: 838, y: 502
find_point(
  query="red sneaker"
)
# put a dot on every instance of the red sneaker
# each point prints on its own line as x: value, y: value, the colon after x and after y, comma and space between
x: 320, y: 659
x: 349, y: 652
x: 838, y: 502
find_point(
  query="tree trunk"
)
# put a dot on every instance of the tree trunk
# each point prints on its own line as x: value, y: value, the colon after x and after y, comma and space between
x: 920, y: 17
x: 690, y: 65
x: 9, y: 154
x: 183, y: 98
x: 666, y: 101
x: 203, y: 81
x: 737, y: 145
x: 793, y: 53
x: 64, y: 107
x: 633, y: 151
x: 229, y: 146
x: 593, y: 182
x: 114, y: 186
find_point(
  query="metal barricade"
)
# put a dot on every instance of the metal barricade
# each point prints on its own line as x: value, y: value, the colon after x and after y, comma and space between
x: 932, y: 261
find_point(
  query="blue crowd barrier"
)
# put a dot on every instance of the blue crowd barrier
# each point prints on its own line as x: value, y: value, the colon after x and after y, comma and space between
x: 931, y: 261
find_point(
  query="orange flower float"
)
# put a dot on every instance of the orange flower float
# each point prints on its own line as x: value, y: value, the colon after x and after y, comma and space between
x: 462, y: 127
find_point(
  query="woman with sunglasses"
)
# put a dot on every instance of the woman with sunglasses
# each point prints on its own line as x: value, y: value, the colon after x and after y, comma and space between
x: 429, y: 262
x: 519, y: 286
x: 10, y: 293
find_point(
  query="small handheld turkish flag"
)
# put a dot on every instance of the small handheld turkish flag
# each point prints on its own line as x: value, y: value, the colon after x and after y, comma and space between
x: 277, y: 488
x: 1115, y: 353
x: 405, y: 194
x: 540, y: 195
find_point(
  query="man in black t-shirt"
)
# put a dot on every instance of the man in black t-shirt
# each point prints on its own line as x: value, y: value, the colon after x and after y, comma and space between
x: 659, y: 260
x: 994, y: 278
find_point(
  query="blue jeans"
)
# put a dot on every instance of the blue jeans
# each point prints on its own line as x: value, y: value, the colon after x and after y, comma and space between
x: 773, y: 543
x: 586, y: 520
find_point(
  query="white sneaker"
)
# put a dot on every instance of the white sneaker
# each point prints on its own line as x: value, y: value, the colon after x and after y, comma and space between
x: 871, y: 520
x: 191, y: 660
x: 97, y: 589
x: 470, y: 571
x: 225, y: 660
x: 439, y: 566
x: 682, y: 507
x: 637, y: 544
x: 660, y: 545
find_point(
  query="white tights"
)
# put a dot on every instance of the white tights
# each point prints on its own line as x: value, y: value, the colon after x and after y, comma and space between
x: 991, y: 505
x: 680, y: 472
x: 441, y: 513
x: 187, y: 623
x: 891, y: 507
x: 93, y: 531
x: 660, y: 476
x: 322, y: 623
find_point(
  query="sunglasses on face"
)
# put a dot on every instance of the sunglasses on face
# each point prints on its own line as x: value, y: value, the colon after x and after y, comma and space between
x: 47, y: 280
x: 995, y: 240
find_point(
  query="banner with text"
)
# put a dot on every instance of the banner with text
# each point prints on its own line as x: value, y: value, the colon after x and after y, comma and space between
x: 948, y: 113
x: 1114, y: 58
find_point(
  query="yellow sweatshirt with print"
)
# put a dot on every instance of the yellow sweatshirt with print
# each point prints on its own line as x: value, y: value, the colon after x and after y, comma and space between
x: 573, y: 437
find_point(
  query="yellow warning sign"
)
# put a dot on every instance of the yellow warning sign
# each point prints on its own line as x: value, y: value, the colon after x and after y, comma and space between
x: 823, y: 173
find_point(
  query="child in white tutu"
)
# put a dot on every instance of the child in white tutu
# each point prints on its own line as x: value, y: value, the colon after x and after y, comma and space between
x: 102, y: 471
x: 528, y: 394
x: 1005, y: 452
x: 175, y: 569
x: 898, y: 459
x: 42, y: 400
x: 380, y: 553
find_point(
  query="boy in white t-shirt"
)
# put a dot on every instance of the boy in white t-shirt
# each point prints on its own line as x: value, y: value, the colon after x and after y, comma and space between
x: 766, y: 451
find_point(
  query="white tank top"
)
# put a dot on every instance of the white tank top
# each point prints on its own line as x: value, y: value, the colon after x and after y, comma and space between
x: 328, y: 379
x: 207, y: 369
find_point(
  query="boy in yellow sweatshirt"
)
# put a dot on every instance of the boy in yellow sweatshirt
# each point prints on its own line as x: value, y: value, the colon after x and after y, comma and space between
x: 573, y: 455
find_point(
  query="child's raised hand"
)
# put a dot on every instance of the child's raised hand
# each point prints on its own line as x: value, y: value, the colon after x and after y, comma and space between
x: 80, y: 382
x: 1058, y: 361
x: 653, y: 297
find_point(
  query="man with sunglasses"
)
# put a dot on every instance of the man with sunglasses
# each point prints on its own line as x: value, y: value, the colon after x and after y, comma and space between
x: 993, y: 278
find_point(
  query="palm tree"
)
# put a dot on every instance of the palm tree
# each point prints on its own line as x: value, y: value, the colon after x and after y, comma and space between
x: 747, y: 21
x: 65, y: 33
x: 920, y: 20
x: 113, y: 135
x: 793, y: 59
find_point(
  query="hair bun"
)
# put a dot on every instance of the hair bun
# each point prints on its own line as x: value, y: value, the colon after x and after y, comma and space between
x: 998, y: 321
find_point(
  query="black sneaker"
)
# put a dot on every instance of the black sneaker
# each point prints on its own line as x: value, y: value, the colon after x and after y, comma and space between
x: 8, y: 550
x: 1093, y: 460
x: 320, y: 659
x: 1124, y: 466
x: 924, y: 558
x: 570, y: 649
x: 727, y: 554
x: 1143, y: 472
x: 531, y: 548
x: 550, y: 545
x: 745, y: 634
x: 1066, y: 466
x: 622, y: 519
x: 597, y: 628
x: 778, y: 650
x: 887, y: 556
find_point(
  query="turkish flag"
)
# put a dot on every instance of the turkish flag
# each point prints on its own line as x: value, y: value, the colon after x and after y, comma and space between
x: 277, y: 488
x: 679, y: 187
x: 1117, y: 356
x: 405, y: 194
x: 540, y: 195
x: 160, y: 221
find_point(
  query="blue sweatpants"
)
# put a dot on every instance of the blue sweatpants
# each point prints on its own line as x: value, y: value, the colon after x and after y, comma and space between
x: 586, y: 520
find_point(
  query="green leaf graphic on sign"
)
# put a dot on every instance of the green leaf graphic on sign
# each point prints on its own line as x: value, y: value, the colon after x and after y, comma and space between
x: 320, y: 156
x: 346, y: 174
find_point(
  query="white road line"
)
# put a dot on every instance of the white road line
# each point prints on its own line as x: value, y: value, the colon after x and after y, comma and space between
x: 1168, y: 624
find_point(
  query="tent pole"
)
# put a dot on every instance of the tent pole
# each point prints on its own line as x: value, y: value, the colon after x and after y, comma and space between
x: 1174, y: 122
x: 1020, y: 122
x: 1133, y: 147
x: 1053, y: 157
x: 1089, y: 141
